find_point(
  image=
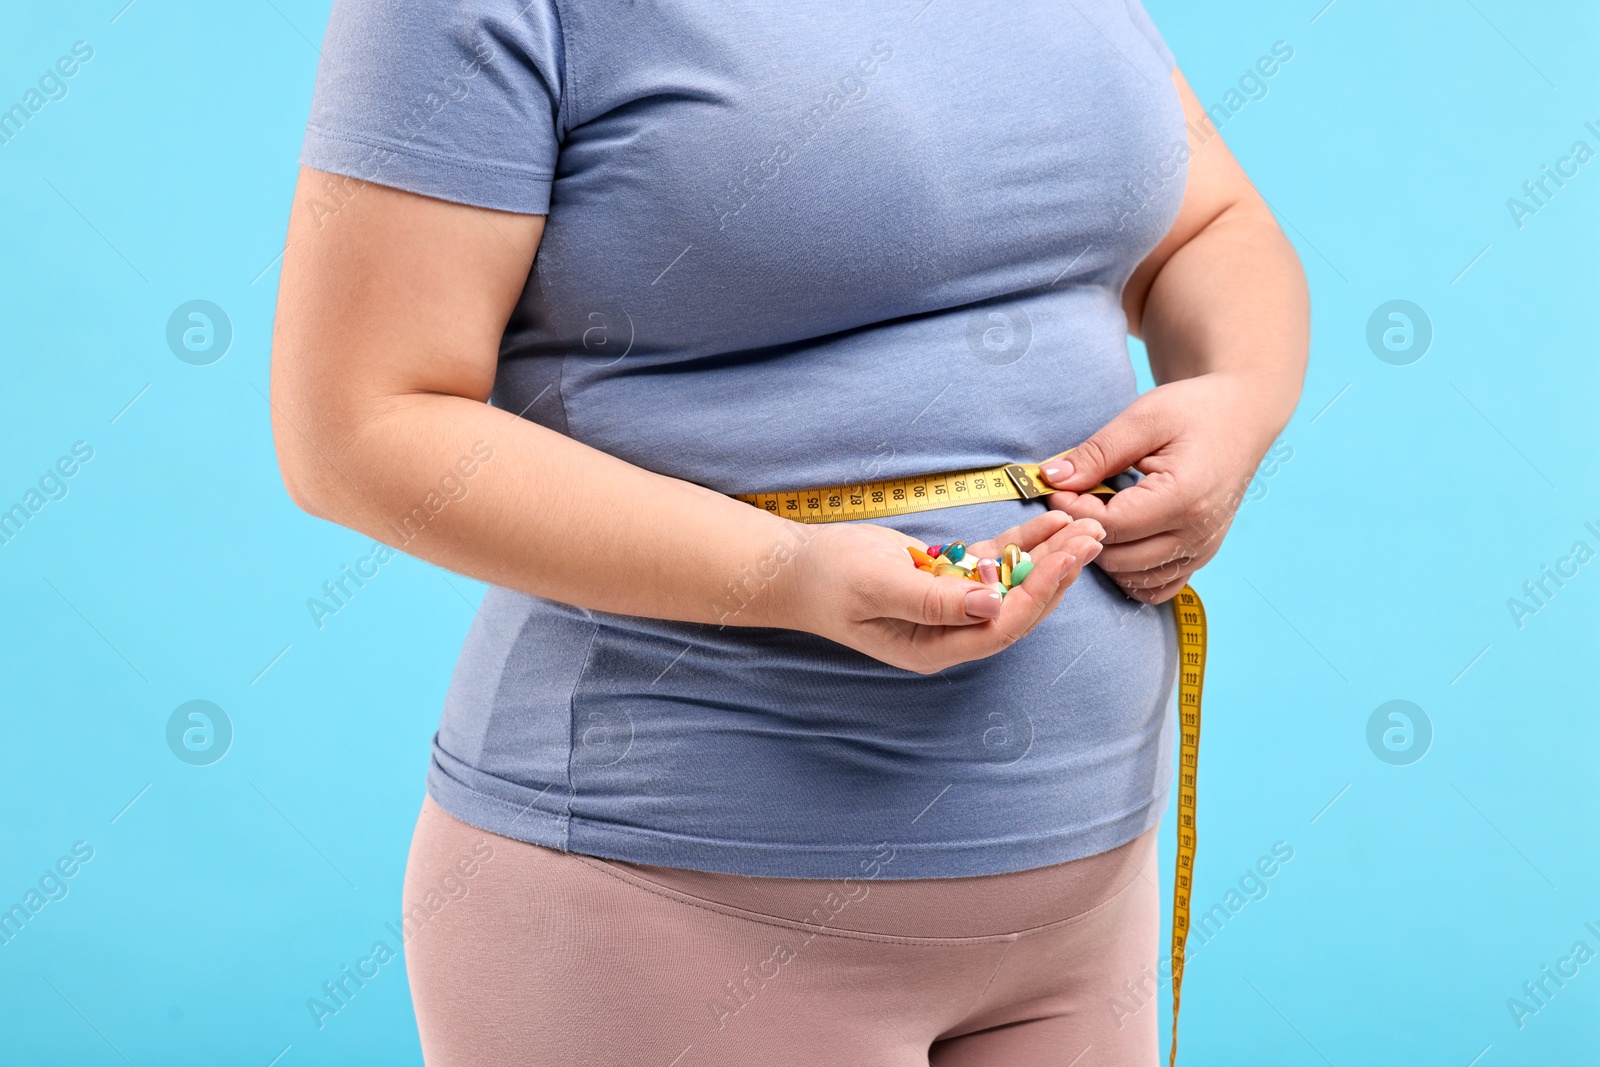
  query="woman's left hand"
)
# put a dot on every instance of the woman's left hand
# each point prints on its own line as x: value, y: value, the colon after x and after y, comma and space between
x: 1198, y: 442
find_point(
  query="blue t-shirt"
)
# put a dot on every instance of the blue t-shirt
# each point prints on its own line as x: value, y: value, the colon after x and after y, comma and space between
x: 793, y: 245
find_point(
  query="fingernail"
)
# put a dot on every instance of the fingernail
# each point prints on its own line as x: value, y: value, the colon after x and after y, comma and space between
x: 1097, y: 532
x: 983, y: 603
x: 1056, y: 471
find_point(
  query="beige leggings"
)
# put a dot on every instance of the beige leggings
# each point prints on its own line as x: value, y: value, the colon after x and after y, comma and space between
x: 524, y: 955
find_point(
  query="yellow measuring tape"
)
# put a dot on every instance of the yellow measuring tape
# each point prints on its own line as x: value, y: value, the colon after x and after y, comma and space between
x: 1022, y: 481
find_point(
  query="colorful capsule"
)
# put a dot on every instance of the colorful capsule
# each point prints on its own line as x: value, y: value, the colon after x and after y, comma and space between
x: 953, y: 560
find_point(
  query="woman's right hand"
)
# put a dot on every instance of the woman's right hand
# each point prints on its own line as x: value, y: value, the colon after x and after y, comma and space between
x: 855, y: 584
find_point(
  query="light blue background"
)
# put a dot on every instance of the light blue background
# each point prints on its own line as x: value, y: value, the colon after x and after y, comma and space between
x: 1375, y: 564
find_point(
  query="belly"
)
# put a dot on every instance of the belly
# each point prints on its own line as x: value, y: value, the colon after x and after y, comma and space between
x: 778, y: 737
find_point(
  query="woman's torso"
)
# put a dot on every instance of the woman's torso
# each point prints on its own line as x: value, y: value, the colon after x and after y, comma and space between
x: 808, y: 244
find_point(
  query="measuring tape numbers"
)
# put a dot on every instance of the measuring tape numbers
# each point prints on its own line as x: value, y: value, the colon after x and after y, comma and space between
x: 1022, y: 481
x: 925, y: 492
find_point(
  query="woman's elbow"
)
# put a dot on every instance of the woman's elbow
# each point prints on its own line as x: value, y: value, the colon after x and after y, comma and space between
x: 304, y: 488
x: 308, y: 474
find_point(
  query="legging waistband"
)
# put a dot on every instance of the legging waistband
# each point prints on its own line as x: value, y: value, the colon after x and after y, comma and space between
x: 980, y: 906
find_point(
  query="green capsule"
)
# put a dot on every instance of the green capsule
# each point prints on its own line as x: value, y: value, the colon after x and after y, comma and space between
x: 1019, y: 572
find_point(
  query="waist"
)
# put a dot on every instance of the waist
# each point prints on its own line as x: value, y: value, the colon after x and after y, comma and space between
x: 533, y: 649
x: 629, y: 713
x: 870, y: 902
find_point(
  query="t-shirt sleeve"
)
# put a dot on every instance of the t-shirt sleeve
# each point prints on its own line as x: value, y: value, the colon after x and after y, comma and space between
x: 464, y: 100
x: 1141, y: 22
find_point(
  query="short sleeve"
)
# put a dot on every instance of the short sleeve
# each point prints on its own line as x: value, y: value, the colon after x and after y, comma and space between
x: 1141, y: 22
x: 457, y: 99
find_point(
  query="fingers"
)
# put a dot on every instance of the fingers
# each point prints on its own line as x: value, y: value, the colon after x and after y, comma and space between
x: 914, y: 596
x: 1153, y: 570
x: 1048, y: 532
x: 1080, y: 539
x: 1085, y: 554
x: 1118, y: 445
x: 937, y: 621
x: 1147, y: 553
x: 1076, y: 537
x: 928, y: 648
x: 1152, y: 506
x: 1079, y: 505
x: 911, y: 596
x: 1023, y: 608
x: 1153, y: 587
x: 1024, y: 535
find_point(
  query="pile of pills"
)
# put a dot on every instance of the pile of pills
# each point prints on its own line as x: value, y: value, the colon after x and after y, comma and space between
x: 953, y: 560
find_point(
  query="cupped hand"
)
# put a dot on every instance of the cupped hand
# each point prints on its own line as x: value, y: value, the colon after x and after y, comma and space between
x: 856, y: 584
x: 1198, y: 442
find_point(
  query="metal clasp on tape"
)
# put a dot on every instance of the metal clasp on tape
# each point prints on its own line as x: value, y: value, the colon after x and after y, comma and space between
x: 1025, y: 483
x: 1028, y: 484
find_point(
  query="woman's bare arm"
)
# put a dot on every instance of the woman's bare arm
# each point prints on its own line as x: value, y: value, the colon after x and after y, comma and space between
x: 387, y: 337
x: 1221, y: 304
x: 1223, y: 292
x: 390, y: 315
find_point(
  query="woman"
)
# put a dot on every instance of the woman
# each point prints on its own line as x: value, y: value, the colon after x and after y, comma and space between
x: 712, y: 787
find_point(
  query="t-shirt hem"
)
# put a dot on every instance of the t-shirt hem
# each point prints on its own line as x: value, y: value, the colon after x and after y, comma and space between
x: 496, y: 186
x: 759, y: 859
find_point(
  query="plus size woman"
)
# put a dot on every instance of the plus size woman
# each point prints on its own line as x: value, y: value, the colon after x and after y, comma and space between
x: 712, y: 787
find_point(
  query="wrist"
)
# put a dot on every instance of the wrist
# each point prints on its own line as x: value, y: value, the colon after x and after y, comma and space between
x: 762, y: 589
x: 1257, y: 410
